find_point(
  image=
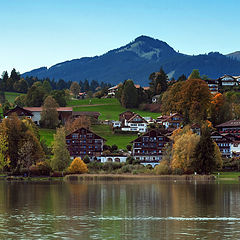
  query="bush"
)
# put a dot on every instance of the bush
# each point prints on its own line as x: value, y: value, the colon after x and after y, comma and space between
x: 77, y: 166
x: 162, y: 168
x: 94, y: 166
x: 44, y: 168
x: 58, y: 174
x: 86, y: 159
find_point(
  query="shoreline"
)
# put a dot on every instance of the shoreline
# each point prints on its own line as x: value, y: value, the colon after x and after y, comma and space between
x: 127, y: 177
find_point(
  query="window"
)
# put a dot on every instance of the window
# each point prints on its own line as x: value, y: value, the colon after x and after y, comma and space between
x: 74, y: 135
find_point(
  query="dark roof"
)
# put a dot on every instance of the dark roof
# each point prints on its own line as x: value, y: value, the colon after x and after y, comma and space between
x: 89, y: 131
x: 19, y: 111
x: 160, y: 132
x: 129, y: 120
x: 231, y: 123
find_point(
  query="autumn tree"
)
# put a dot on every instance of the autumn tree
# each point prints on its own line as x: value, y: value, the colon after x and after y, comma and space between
x: 72, y: 125
x: 171, y: 99
x: 49, y: 114
x: 190, y: 98
x: 184, y: 144
x: 206, y: 153
x: 4, y: 158
x: 75, y: 89
x: 61, y: 156
x: 18, y: 134
x: 77, y: 166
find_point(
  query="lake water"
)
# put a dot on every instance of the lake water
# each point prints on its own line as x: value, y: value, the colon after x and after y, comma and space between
x: 119, y: 210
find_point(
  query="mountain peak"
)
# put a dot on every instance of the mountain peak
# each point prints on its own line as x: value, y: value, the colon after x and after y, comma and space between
x: 148, y: 48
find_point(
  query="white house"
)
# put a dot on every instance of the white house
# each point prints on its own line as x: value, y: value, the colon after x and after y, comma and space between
x: 228, y: 80
x: 235, y: 148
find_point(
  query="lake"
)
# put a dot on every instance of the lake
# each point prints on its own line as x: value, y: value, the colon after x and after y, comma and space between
x: 119, y: 210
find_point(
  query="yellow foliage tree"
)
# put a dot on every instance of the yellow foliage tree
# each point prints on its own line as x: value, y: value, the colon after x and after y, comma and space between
x: 183, y: 150
x: 78, y: 166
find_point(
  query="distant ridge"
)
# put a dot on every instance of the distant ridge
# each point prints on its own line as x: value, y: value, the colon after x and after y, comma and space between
x: 137, y: 60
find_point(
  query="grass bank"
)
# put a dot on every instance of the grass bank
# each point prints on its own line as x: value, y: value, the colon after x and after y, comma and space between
x: 227, y: 176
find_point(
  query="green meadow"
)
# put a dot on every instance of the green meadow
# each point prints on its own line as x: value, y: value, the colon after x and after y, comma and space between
x: 121, y: 140
x: 47, y: 134
x: 109, y: 108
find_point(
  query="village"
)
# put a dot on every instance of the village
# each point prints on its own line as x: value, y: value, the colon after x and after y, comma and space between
x: 147, y: 139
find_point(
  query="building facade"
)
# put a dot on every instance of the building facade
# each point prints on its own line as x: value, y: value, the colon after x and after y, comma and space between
x: 149, y: 147
x: 83, y: 142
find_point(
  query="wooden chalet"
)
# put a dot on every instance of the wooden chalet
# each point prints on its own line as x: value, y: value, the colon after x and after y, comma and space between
x: 84, y: 142
x: 228, y: 80
x: 149, y: 147
x: 132, y: 122
x: 21, y: 112
x: 223, y: 142
x: 232, y: 127
x: 172, y: 121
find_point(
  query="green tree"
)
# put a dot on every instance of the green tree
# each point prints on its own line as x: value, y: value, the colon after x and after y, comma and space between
x: 158, y: 82
x: 20, y: 100
x: 195, y: 74
x: 60, y: 97
x: 35, y: 95
x: 47, y: 86
x: 21, y: 86
x: 206, y: 160
x: 129, y: 97
x: 61, y: 156
x: 75, y: 89
x: 49, y: 115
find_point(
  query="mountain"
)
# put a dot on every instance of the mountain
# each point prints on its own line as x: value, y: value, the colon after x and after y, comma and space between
x: 137, y: 60
x: 234, y: 55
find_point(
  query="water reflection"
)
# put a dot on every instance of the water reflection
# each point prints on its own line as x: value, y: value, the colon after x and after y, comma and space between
x: 119, y: 210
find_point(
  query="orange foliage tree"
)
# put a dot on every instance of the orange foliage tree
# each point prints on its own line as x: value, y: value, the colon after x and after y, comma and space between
x: 77, y: 166
x: 191, y: 98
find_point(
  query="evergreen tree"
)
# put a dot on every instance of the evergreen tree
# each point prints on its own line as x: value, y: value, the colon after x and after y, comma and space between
x: 158, y: 82
x: 47, y: 86
x: 195, y: 74
x: 129, y: 97
x: 205, y: 158
x: 61, y: 156
x: 86, y: 85
x: 182, y: 78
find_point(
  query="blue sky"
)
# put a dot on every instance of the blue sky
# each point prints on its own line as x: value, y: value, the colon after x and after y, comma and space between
x: 37, y: 33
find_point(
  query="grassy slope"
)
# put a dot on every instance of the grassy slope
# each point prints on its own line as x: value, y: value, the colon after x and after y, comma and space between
x: 110, y: 108
x: 121, y: 140
x: 47, y: 134
x: 10, y: 96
